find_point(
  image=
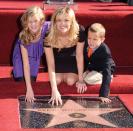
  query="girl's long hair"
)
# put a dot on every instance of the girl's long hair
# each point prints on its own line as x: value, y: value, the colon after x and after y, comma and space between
x: 25, y: 35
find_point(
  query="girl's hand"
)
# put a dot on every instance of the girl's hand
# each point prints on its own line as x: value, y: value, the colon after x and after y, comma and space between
x: 29, y: 96
x: 55, y: 98
x: 81, y: 86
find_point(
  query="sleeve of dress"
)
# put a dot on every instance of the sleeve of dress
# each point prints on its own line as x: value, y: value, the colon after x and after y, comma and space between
x: 16, y: 50
x: 48, y: 23
x: 81, y: 34
x: 45, y: 29
x: 17, y: 60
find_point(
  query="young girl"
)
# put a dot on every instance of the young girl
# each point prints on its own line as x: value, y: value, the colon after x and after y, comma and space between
x: 29, y: 48
x: 64, y: 52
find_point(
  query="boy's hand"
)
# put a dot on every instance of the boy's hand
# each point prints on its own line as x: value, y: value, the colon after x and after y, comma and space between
x: 105, y: 99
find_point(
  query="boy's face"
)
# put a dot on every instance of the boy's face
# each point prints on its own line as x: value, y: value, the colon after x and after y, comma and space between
x: 94, y: 39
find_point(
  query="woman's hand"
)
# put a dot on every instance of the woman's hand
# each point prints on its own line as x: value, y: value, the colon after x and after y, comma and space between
x: 29, y: 95
x: 55, y: 98
x: 81, y: 86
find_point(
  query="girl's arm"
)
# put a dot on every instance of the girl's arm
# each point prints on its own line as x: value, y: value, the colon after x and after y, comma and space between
x: 55, y: 97
x: 81, y: 86
x: 26, y: 67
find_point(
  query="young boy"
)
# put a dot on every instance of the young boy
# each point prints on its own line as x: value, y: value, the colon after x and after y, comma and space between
x: 100, y: 65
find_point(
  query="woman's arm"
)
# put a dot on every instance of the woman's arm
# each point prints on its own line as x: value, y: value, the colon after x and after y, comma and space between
x: 81, y: 86
x: 80, y: 61
x: 55, y: 97
x: 26, y: 67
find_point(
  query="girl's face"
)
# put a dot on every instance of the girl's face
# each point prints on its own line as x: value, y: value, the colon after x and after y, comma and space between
x: 63, y: 23
x: 94, y: 40
x: 34, y: 24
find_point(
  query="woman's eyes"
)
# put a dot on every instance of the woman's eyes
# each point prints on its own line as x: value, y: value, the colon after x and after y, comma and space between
x: 66, y: 20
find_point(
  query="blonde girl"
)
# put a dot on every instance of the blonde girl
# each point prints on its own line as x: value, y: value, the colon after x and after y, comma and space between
x: 29, y: 48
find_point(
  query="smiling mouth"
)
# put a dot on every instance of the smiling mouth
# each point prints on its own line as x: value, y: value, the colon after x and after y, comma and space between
x: 62, y: 28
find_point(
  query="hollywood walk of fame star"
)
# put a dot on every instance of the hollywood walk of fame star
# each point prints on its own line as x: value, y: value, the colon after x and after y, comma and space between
x: 72, y: 111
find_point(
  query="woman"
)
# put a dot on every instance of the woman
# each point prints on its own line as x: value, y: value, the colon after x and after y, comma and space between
x: 64, y: 52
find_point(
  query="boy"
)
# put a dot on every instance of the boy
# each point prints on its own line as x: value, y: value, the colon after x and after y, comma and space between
x: 100, y: 65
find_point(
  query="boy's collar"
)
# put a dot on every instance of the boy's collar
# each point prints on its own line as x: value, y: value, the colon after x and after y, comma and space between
x: 97, y: 47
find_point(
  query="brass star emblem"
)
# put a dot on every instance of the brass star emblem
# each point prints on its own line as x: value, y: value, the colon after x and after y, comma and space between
x: 72, y: 111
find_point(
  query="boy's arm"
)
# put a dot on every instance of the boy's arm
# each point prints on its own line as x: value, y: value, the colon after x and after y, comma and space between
x: 107, y: 63
x: 105, y: 86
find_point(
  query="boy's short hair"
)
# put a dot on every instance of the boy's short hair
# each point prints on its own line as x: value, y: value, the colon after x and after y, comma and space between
x: 97, y: 28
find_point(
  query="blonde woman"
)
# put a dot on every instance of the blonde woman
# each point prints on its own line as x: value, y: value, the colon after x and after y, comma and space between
x: 64, y: 52
x: 29, y: 48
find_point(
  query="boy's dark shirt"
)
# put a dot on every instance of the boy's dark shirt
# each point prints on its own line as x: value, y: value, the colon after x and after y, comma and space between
x: 101, y: 61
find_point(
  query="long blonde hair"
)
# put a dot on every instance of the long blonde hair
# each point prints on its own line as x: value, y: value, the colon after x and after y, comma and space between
x: 25, y: 35
x: 52, y: 38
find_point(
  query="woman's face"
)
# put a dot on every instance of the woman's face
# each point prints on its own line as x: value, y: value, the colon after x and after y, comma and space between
x: 63, y: 23
x: 34, y: 24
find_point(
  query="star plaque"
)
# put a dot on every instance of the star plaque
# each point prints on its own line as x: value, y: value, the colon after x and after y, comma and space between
x: 76, y: 112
